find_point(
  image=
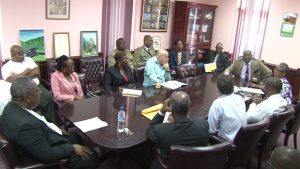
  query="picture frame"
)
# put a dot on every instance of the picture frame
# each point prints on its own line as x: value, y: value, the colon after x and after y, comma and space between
x: 89, y: 43
x: 155, y: 14
x: 33, y: 44
x: 58, y: 9
x: 156, y: 43
x: 61, y: 44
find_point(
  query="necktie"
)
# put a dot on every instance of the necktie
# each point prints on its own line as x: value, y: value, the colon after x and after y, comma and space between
x: 179, y: 58
x: 246, y: 74
x: 149, y: 51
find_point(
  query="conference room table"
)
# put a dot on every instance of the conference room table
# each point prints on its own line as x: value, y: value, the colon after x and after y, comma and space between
x: 201, y: 89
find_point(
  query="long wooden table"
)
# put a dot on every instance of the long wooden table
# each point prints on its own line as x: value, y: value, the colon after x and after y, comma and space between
x: 202, y: 91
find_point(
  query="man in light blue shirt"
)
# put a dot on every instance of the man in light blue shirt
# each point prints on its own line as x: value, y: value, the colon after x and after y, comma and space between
x: 157, y: 70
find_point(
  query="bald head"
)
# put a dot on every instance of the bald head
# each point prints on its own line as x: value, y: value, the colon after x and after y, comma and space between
x: 219, y: 48
x: 148, y: 41
x: 180, y: 103
x: 273, y: 85
x: 162, y: 56
x: 285, y: 158
x: 247, y: 56
x: 16, y: 53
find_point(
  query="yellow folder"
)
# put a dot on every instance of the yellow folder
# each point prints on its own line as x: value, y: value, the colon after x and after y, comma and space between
x: 150, y: 112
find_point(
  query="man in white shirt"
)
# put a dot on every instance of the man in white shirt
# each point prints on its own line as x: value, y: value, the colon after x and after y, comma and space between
x: 227, y: 114
x: 19, y: 66
x: 275, y: 103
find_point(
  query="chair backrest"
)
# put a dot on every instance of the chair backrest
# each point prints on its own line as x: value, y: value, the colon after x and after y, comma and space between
x: 93, y: 68
x: 139, y: 74
x: 212, y: 157
x: 7, y: 153
x: 293, y: 125
x: 244, y: 144
x: 185, y: 71
x: 271, y: 135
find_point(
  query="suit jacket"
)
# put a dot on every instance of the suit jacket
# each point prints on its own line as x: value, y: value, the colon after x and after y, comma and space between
x: 173, y: 59
x: 33, y: 138
x: 258, y: 69
x: 186, y: 131
x: 141, y: 55
x: 114, y: 79
x: 111, y: 58
x: 62, y: 88
x: 222, y: 61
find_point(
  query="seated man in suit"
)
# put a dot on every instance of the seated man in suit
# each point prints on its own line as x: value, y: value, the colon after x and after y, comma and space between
x: 275, y: 103
x: 19, y: 66
x: 36, y: 138
x: 284, y: 158
x: 182, y: 130
x: 121, y: 46
x: 249, y: 68
x: 219, y: 57
x: 227, y: 114
x: 145, y: 52
x: 177, y: 55
x: 280, y: 71
x: 157, y: 70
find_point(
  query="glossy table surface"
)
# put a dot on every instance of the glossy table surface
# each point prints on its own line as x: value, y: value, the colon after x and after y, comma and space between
x: 202, y: 91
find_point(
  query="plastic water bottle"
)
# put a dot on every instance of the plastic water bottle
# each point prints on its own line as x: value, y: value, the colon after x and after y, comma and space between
x: 121, y: 119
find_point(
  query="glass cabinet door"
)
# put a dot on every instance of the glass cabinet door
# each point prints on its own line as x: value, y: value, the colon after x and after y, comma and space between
x: 193, y: 28
x: 206, y: 25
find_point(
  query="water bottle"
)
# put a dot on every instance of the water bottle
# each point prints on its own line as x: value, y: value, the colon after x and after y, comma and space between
x: 121, y: 120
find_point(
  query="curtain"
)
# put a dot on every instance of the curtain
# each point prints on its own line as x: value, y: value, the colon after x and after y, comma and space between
x: 251, y: 26
x: 116, y: 23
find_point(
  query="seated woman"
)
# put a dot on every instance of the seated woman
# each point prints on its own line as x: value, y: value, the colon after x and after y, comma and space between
x: 118, y: 75
x: 65, y: 83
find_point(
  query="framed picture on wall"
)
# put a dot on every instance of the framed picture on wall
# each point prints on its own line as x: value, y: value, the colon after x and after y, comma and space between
x: 61, y: 43
x: 154, y: 16
x: 32, y: 42
x: 57, y: 9
x: 156, y: 42
x: 89, y: 43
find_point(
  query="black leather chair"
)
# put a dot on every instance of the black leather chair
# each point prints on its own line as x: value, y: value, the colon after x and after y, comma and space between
x: 292, y: 127
x: 11, y: 159
x: 212, y: 157
x: 139, y: 74
x: 269, y: 139
x: 185, y: 71
x: 93, y: 68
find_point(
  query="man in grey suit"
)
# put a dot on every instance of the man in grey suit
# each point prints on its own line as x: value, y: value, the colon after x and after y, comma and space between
x: 34, y: 137
x: 249, y: 68
x: 181, y: 130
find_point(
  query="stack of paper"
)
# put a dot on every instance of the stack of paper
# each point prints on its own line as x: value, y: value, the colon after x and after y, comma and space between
x: 131, y: 92
x: 251, y: 90
x: 90, y: 124
x: 210, y: 67
x: 173, y: 84
x: 150, y: 112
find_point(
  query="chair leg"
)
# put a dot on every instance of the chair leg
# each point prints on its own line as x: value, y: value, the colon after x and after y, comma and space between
x: 286, y: 139
x: 295, y: 141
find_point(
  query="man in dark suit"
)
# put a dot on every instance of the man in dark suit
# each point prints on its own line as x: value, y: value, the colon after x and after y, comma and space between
x: 181, y: 130
x: 219, y: 57
x: 34, y: 137
x: 177, y: 55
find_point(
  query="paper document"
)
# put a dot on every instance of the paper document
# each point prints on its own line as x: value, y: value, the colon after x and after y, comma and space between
x: 210, y: 67
x: 251, y: 90
x: 173, y: 84
x: 131, y: 92
x: 167, y: 117
x: 150, y: 112
x: 90, y: 124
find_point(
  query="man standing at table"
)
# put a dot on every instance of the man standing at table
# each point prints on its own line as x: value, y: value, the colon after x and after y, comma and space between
x: 37, y: 139
x: 145, y: 52
x: 181, y: 130
x: 227, y: 114
x: 157, y: 70
x: 24, y: 66
x: 249, y: 68
x: 275, y: 103
x: 219, y: 57
x: 121, y: 46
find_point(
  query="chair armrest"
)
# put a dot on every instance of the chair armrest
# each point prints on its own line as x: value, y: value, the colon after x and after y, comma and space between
x: 161, y: 161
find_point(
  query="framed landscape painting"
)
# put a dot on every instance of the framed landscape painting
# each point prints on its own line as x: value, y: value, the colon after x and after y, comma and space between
x: 57, y: 9
x: 32, y: 42
x: 89, y: 43
x: 154, y: 16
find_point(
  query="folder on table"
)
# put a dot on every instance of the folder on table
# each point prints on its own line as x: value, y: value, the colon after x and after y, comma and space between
x: 150, y: 112
x: 131, y: 92
x: 210, y: 67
